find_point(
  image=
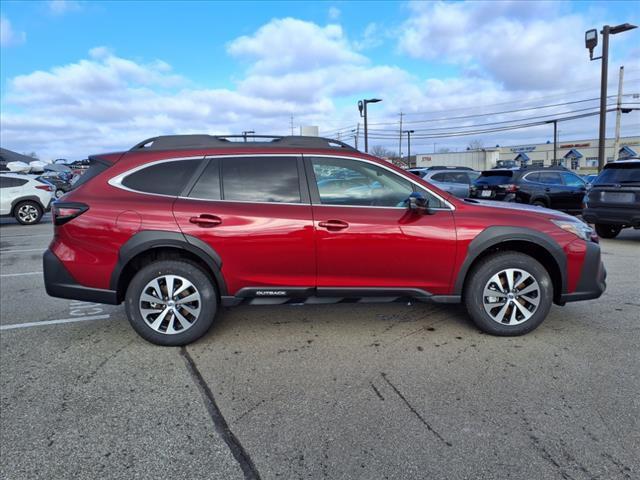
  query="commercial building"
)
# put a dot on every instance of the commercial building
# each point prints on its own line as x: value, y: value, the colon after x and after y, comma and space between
x: 574, y: 154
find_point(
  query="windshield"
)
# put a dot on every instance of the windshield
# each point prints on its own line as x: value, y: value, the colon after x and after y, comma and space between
x: 494, y: 177
x: 619, y: 173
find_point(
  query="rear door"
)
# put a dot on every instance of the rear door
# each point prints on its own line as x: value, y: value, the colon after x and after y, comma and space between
x: 254, y: 211
x: 367, y: 239
x: 554, y: 189
x: 575, y: 188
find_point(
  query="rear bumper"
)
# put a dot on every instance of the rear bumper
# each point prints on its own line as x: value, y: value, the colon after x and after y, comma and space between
x: 592, y: 282
x: 612, y: 216
x: 59, y: 283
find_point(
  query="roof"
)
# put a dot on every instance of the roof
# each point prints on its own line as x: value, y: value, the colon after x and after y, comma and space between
x: 522, y: 156
x: 178, y: 142
x: 11, y: 156
x: 573, y: 153
x: 626, y: 152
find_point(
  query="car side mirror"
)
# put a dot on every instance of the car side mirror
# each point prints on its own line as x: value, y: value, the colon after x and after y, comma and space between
x: 417, y: 203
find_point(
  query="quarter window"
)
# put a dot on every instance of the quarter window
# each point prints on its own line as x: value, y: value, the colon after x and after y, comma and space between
x: 9, y: 182
x: 166, y: 178
x: 256, y: 179
x: 572, y: 180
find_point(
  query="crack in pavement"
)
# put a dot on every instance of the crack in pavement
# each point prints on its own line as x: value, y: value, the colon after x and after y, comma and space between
x: 414, y: 411
x: 239, y: 453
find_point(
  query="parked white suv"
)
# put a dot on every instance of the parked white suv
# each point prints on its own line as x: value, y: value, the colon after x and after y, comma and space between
x: 24, y: 197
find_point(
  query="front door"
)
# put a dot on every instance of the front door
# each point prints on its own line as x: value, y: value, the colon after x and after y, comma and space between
x: 366, y: 237
x: 254, y: 212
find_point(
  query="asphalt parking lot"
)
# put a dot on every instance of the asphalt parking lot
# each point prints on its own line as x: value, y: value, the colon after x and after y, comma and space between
x: 338, y: 391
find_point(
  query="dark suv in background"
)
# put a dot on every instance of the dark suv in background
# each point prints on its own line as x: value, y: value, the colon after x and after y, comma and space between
x: 551, y: 187
x: 613, y: 203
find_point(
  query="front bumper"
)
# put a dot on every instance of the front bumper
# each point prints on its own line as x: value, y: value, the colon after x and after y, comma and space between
x: 59, y: 283
x: 612, y: 216
x: 592, y: 282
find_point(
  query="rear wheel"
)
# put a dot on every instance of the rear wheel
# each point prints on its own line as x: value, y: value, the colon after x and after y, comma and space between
x: 607, y: 231
x: 28, y: 212
x: 539, y: 203
x: 508, y: 293
x: 171, y: 302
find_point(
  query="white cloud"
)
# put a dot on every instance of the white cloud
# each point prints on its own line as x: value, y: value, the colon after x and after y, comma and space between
x: 8, y: 36
x: 288, y: 44
x: 523, y: 45
x: 60, y: 7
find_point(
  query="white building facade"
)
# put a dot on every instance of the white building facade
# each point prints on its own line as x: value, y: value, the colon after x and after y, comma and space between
x: 575, y: 155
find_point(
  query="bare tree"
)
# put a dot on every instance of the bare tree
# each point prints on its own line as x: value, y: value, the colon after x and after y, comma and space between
x: 382, y: 152
x: 32, y: 155
x: 475, y: 144
x: 444, y: 150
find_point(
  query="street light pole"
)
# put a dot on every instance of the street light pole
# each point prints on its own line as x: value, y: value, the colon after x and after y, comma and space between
x: 408, y: 132
x: 362, y: 106
x: 591, y: 40
x: 602, y: 136
x: 247, y: 132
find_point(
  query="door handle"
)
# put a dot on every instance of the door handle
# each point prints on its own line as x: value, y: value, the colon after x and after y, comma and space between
x: 333, y: 225
x: 206, y: 221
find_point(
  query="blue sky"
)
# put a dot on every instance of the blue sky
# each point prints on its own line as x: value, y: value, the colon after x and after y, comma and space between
x: 78, y: 77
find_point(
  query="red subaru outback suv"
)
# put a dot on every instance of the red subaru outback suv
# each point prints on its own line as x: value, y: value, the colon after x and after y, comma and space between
x: 179, y: 226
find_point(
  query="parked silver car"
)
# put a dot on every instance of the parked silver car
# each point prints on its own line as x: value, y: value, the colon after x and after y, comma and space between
x: 455, y: 180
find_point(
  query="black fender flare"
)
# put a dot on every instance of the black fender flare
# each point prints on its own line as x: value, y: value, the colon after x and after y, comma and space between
x: 19, y: 200
x: 150, y: 239
x: 493, y: 236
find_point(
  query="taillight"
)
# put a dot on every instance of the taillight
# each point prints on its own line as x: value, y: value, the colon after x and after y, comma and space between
x: 509, y: 188
x: 65, y: 211
x: 48, y: 188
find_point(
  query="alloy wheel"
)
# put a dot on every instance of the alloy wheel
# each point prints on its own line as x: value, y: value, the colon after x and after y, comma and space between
x: 170, y: 304
x: 28, y: 213
x: 511, y: 296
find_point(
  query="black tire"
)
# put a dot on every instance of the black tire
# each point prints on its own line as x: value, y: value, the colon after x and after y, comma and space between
x: 59, y: 193
x: 492, y: 265
x: 539, y: 203
x: 607, y: 231
x: 28, y: 212
x: 191, y: 272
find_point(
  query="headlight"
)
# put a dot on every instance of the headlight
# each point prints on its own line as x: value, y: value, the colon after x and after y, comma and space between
x: 578, y: 228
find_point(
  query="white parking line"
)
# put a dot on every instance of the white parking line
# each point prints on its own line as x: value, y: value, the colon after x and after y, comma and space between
x: 21, y: 236
x: 19, y: 274
x: 53, y: 322
x: 24, y: 251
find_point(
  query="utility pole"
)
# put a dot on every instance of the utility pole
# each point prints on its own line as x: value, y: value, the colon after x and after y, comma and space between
x: 357, y: 134
x: 616, y: 142
x: 400, y: 138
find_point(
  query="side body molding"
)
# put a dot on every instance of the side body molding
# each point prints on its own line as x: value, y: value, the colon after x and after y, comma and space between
x: 493, y: 236
x: 149, y: 239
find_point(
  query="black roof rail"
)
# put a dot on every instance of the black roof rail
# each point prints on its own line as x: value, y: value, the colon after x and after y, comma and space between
x: 169, y: 142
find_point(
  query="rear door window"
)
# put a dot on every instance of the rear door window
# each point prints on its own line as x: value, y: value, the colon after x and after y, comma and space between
x: 165, y: 178
x: 261, y: 179
x: 550, y: 178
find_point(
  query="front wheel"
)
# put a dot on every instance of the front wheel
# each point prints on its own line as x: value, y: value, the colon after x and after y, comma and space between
x: 171, y: 302
x: 28, y: 213
x: 607, y: 231
x: 508, y: 294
